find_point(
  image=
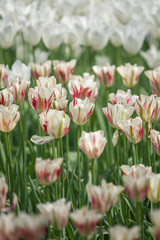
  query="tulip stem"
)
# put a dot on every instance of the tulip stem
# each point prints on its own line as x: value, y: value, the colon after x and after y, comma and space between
x: 58, y: 155
x: 93, y: 171
x: 119, y: 143
x: 79, y: 166
x: 136, y: 150
x: 9, y: 164
x: 140, y: 217
x: 43, y: 146
x: 147, y: 142
x: 53, y: 149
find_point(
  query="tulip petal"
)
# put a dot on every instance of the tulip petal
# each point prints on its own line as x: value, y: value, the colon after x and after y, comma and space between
x: 41, y: 140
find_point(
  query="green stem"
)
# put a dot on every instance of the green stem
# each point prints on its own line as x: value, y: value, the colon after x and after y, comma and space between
x: 58, y: 155
x: 147, y: 142
x: 136, y: 149
x: 47, y: 193
x: 109, y: 218
x: 79, y: 167
x: 93, y: 172
x: 53, y: 149
x: 117, y: 163
x: 101, y: 226
x: 140, y: 218
x: 119, y: 143
x: 9, y: 163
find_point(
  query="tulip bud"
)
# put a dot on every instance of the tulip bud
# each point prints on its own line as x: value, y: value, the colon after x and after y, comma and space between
x: 92, y: 143
x: 85, y: 221
x: 48, y: 171
x: 9, y: 116
x: 122, y: 233
x: 155, y: 139
x: 130, y: 74
x: 105, y: 74
x: 56, y: 213
x: 154, y: 188
x: 81, y: 110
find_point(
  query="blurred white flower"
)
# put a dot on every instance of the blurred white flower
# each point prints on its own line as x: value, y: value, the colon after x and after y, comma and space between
x: 7, y: 34
x: 32, y: 32
x: 52, y: 35
x: 152, y: 56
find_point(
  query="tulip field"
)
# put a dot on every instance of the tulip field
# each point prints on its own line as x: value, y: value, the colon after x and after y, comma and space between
x: 79, y: 120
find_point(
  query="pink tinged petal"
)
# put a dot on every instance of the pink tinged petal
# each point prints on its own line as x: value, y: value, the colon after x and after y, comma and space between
x: 41, y: 139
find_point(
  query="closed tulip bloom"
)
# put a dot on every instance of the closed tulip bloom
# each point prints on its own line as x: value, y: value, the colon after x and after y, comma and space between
x: 19, y: 89
x: 123, y: 97
x: 132, y: 128
x: 56, y: 213
x: 6, y: 97
x: 81, y: 110
x: 9, y: 116
x: 136, y: 170
x: 92, y: 143
x: 145, y: 107
x: 8, y: 229
x: 104, y: 197
x: 154, y: 78
x: 7, y: 34
x: 55, y: 123
x: 105, y: 74
x: 82, y: 88
x: 85, y: 221
x: 19, y: 70
x: 47, y: 82
x: 3, y: 76
x: 154, y: 188
x: 40, y: 98
x: 41, y: 69
x: 136, y: 188
x: 155, y: 139
x: 152, y: 57
x: 130, y: 74
x: 155, y: 219
x: 48, y: 171
x: 123, y: 233
x: 64, y: 70
x: 117, y: 112
x: 30, y: 226
x: 60, y: 103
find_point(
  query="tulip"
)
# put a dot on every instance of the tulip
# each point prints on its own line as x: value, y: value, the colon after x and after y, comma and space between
x: 155, y: 139
x: 85, y: 221
x: 6, y: 97
x: 7, y: 34
x: 130, y: 74
x: 8, y: 230
x: 81, y: 110
x: 52, y: 35
x: 9, y: 116
x: 64, y: 70
x: 19, y: 70
x: 154, y: 78
x: 82, y: 88
x: 132, y: 128
x: 56, y: 213
x: 105, y: 74
x: 104, y: 197
x: 117, y: 112
x: 40, y: 98
x: 32, y: 32
x: 154, y: 188
x: 55, y: 123
x: 152, y: 57
x: 19, y: 89
x: 136, y: 170
x: 123, y: 233
x: 123, y: 97
x: 48, y: 82
x: 92, y: 143
x: 136, y: 188
x: 30, y: 227
x: 155, y: 219
x: 41, y: 69
x: 48, y: 171
x: 145, y: 107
